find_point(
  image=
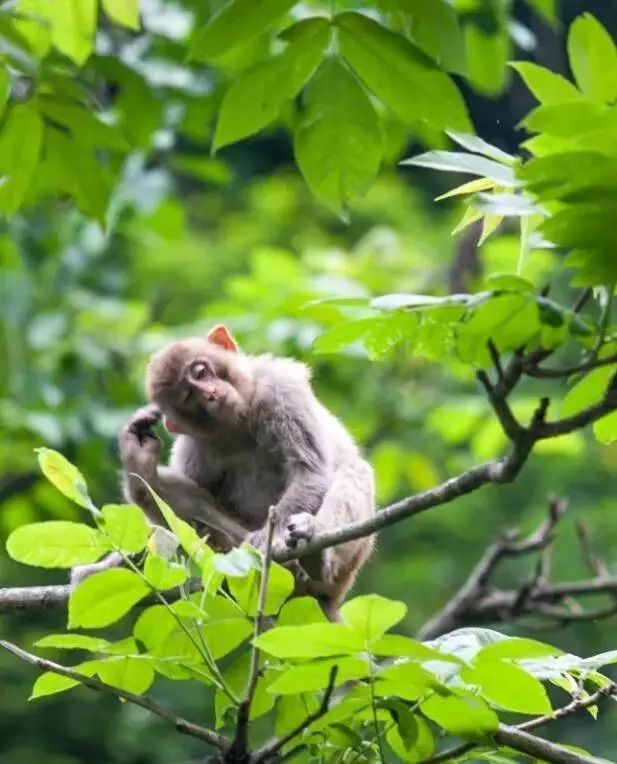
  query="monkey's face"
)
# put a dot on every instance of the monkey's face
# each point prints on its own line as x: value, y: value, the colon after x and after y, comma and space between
x: 199, y: 386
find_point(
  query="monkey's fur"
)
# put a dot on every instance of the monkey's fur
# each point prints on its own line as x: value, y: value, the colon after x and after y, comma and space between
x: 250, y: 434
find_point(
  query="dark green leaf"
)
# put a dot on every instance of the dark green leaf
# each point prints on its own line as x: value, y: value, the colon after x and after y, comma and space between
x: 337, y: 143
x: 255, y: 98
x: 399, y: 75
x: 20, y: 147
x: 237, y: 22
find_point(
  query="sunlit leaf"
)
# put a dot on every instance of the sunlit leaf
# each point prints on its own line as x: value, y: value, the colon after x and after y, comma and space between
x: 103, y: 598
x: 126, y: 526
x: 56, y: 544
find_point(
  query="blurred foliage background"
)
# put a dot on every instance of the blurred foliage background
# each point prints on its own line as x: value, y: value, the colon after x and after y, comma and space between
x: 192, y: 240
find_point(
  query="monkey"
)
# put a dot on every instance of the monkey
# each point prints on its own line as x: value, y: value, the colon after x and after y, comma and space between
x: 249, y: 433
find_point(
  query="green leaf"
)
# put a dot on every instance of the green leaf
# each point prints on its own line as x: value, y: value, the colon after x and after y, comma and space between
x: 83, y: 124
x: 64, y: 476
x: 34, y: 26
x: 399, y: 75
x: 5, y: 88
x: 588, y: 391
x: 238, y: 21
x: 487, y: 56
x: 314, y: 640
x: 103, y: 598
x: 246, y: 590
x: 547, y: 86
x: 314, y: 675
x: 56, y: 544
x: 69, y: 165
x: 372, y: 615
x: 162, y: 574
x: 126, y: 673
x: 454, y: 161
x: 123, y: 12
x: 605, y: 429
x: 73, y: 24
x: 256, y: 96
x: 236, y: 678
x: 299, y: 611
x: 20, y: 147
x: 471, y: 187
x: 399, y: 646
x: 186, y: 535
x: 126, y: 526
x: 480, y: 146
x: 337, y: 143
x: 437, y: 32
x: 593, y: 59
x: 73, y: 642
x: 508, y: 686
x: 50, y: 683
x: 464, y: 715
x: 410, y: 738
x: 237, y: 563
x: 342, y: 335
x: 407, y: 680
x: 517, y: 647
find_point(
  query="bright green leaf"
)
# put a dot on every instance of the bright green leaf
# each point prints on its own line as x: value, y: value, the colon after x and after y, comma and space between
x: 73, y: 642
x: 593, y: 59
x: 103, y: 598
x: 56, y: 544
x: 463, y: 715
x: 314, y: 675
x: 73, y: 24
x: 50, y: 683
x: 508, y: 686
x: 126, y: 526
x: 126, y: 673
x: 314, y: 640
x: 162, y: 574
x: 372, y: 615
x: 64, y: 476
x: 514, y: 648
x: 123, y: 12
x: 547, y: 86
x: 299, y: 611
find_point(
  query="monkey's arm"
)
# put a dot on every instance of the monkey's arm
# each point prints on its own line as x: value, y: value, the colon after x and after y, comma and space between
x: 140, y: 450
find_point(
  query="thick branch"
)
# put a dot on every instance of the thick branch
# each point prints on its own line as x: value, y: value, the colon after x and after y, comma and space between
x: 535, y: 746
x: 181, y: 725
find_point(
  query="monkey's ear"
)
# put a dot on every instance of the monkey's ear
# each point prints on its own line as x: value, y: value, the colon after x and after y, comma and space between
x: 220, y: 336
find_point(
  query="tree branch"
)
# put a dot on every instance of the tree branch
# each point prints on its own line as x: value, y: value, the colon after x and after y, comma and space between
x: 576, y: 705
x: 270, y: 750
x: 182, y: 725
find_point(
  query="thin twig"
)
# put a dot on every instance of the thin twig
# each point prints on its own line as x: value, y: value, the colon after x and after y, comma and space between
x: 182, y: 725
x: 240, y: 747
x: 271, y: 749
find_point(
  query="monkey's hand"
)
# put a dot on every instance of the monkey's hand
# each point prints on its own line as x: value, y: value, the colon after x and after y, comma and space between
x: 299, y: 529
x: 291, y: 534
x: 140, y: 447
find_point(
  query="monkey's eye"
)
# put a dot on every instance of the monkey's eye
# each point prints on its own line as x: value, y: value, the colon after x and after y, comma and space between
x: 199, y: 370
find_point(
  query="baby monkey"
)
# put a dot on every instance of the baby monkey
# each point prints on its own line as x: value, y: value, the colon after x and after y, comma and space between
x: 250, y: 434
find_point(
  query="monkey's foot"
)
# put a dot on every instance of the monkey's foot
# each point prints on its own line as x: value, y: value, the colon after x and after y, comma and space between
x: 299, y: 529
